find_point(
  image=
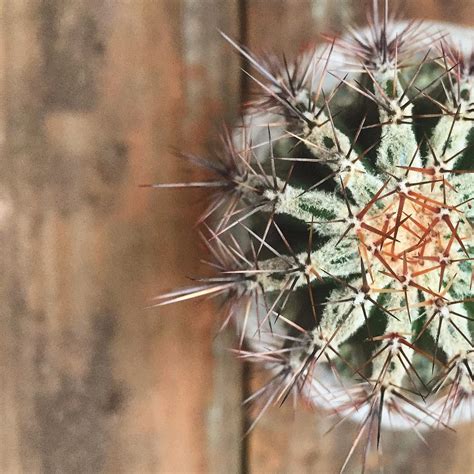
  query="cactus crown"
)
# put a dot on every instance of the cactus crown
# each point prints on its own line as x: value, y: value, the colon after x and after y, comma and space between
x: 340, y: 225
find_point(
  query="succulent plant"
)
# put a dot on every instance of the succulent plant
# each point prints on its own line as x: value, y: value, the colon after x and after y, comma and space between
x: 340, y: 226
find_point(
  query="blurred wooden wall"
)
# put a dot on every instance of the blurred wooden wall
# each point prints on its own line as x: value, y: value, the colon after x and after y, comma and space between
x: 95, y: 96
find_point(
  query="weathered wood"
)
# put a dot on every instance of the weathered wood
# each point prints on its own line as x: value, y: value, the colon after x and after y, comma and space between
x: 460, y: 11
x: 96, y: 94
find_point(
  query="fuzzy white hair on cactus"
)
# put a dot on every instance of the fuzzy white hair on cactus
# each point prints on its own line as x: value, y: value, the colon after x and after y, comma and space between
x: 340, y: 225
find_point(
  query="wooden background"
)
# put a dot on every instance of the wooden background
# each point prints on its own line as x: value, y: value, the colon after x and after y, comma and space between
x: 95, y: 95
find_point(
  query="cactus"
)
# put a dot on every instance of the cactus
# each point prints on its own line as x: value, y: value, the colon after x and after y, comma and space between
x: 340, y: 227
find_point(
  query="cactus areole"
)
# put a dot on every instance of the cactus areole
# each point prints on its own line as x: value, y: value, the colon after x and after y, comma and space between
x: 340, y: 225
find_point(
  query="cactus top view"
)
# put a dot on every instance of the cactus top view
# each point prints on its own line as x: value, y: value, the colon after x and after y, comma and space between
x: 340, y: 226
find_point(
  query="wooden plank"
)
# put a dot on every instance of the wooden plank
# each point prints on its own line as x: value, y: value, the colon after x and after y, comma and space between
x: 288, y: 441
x: 460, y: 12
x: 285, y: 26
x: 96, y: 95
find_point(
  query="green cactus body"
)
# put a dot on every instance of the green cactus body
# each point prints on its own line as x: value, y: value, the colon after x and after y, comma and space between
x: 345, y: 235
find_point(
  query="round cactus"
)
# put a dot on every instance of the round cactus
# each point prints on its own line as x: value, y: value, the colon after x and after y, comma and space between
x: 340, y: 226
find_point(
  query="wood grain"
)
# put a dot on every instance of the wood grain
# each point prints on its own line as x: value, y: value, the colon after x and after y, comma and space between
x: 97, y: 93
